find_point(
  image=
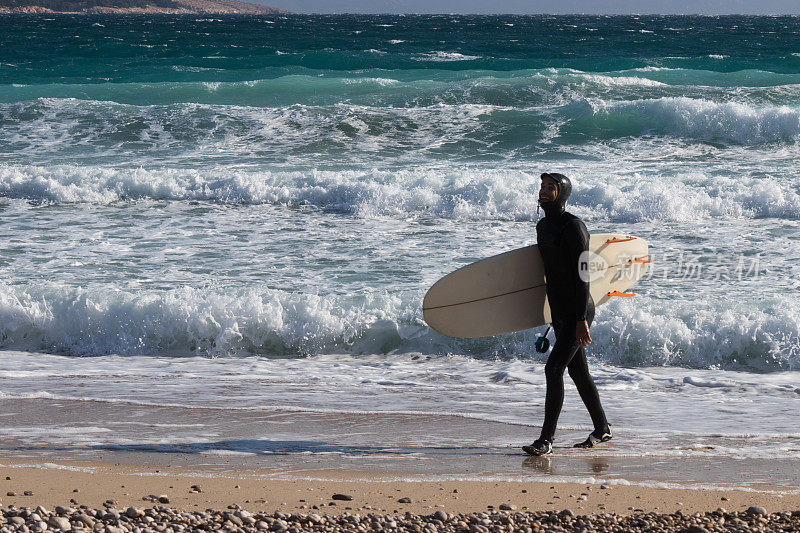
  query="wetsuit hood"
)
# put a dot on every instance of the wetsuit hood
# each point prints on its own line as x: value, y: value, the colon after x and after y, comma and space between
x: 564, y: 186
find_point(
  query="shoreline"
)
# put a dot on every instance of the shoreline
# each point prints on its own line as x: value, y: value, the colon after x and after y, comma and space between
x: 281, y: 444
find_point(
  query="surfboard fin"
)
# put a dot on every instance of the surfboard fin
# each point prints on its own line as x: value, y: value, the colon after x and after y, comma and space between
x: 617, y: 293
x: 620, y: 239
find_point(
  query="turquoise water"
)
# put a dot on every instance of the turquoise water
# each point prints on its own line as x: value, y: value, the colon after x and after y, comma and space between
x: 96, y: 49
x: 315, y: 91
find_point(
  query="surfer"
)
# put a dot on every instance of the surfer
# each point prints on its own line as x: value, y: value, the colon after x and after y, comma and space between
x: 562, y: 238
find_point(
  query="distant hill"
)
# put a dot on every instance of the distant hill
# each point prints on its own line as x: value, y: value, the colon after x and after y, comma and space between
x: 136, y: 6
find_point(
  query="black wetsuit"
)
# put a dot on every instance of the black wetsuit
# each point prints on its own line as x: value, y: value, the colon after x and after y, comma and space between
x: 562, y: 237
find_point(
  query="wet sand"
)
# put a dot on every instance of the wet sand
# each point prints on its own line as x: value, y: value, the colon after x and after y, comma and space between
x: 414, y: 447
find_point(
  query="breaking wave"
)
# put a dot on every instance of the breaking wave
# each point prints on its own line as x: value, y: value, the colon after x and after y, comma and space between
x: 211, y: 322
x: 449, y: 193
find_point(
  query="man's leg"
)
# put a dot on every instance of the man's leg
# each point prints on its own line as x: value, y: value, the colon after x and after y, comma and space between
x: 563, y: 351
x: 579, y: 372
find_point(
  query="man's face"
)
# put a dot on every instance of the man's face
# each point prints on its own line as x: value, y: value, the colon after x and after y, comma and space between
x: 549, y: 190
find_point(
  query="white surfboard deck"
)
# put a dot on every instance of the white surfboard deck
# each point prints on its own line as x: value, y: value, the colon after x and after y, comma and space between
x: 506, y: 292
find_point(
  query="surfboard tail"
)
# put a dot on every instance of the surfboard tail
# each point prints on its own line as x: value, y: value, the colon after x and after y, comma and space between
x: 618, y: 293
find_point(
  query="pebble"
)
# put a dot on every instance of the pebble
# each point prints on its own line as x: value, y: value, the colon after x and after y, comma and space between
x: 233, y: 518
x: 58, y: 522
x: 86, y: 519
x: 507, y: 507
x: 342, y: 497
x: 404, y: 500
x: 164, y: 519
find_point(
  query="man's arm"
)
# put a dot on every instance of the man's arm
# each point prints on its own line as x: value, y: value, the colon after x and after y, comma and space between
x: 576, y: 242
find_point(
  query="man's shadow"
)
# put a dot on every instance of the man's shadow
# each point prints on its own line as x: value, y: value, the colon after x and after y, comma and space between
x: 284, y: 447
x: 252, y: 446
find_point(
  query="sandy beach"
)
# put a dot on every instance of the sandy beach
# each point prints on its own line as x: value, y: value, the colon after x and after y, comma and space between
x: 133, y: 485
x: 115, y: 485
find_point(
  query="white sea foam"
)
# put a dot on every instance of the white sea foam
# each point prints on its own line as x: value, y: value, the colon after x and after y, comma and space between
x: 441, y: 56
x: 187, y: 321
x: 550, y: 478
x: 622, y: 81
x: 704, y: 119
x: 52, y: 466
x: 174, y: 132
x: 680, y: 334
x: 668, y: 199
x: 384, y: 82
x: 454, y: 193
x: 418, y: 127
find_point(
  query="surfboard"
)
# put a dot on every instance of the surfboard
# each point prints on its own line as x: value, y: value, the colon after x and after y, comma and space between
x: 506, y: 292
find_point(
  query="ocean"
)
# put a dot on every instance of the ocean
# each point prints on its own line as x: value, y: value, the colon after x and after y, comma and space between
x: 237, y: 218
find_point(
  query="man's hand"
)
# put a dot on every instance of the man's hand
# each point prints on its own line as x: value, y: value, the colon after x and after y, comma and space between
x: 582, y: 333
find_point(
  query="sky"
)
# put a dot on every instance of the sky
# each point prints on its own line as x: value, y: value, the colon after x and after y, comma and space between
x: 601, y: 7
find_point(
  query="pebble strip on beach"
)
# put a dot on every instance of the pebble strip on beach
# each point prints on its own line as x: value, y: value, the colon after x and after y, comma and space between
x: 164, y: 519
